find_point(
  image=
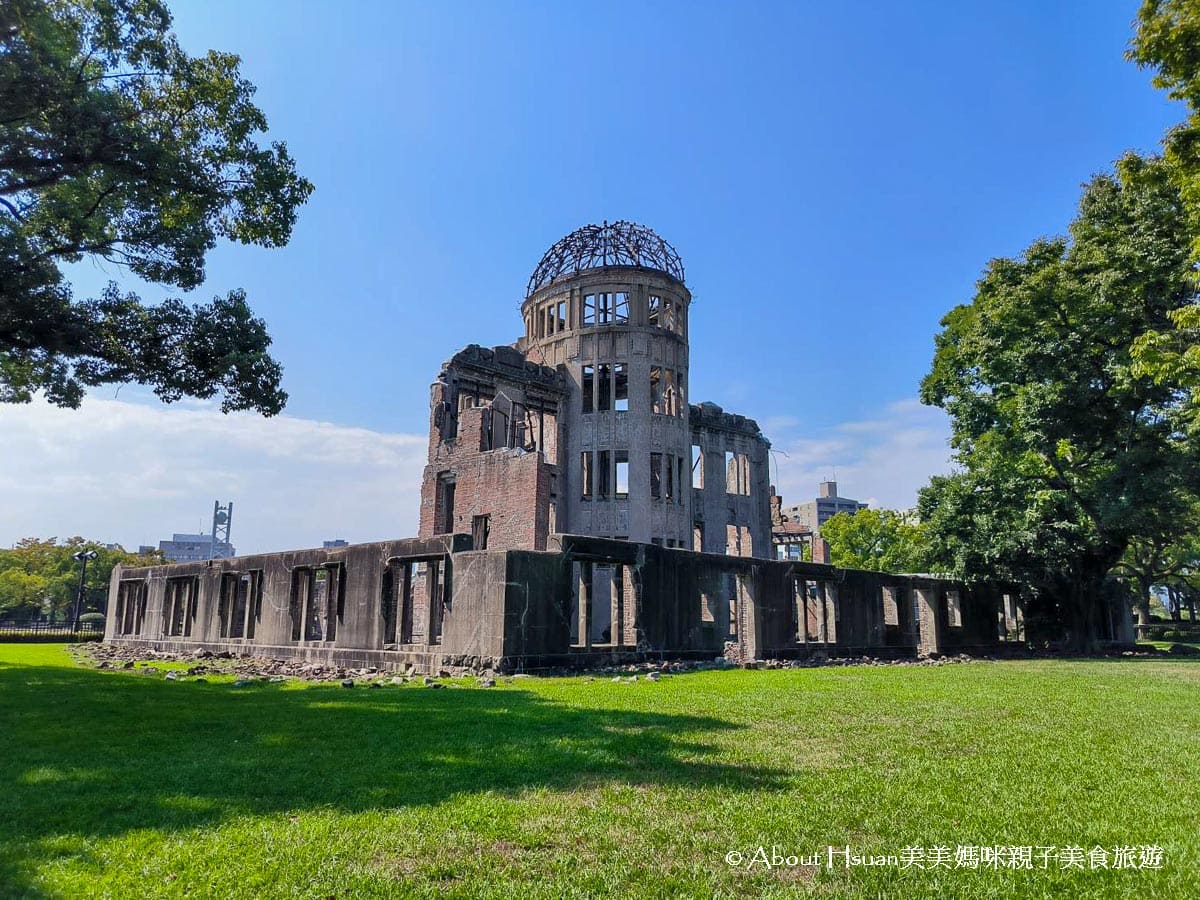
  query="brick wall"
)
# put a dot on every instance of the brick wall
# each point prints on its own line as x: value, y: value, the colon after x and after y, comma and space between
x: 512, y: 487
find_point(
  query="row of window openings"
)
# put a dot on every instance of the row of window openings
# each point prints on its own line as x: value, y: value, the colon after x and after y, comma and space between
x: 605, y: 474
x: 608, y: 475
x: 737, y: 471
x: 604, y: 604
x: 605, y: 388
x: 606, y: 308
x: 316, y: 606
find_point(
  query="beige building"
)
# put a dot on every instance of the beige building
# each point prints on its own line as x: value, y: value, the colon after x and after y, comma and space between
x: 827, y: 504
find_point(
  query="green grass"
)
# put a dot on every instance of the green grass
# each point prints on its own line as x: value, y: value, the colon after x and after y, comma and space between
x: 122, y: 784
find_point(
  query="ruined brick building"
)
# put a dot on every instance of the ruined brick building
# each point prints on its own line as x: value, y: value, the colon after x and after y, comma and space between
x: 575, y: 508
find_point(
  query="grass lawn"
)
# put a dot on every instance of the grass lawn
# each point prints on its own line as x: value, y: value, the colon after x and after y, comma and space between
x: 124, y: 785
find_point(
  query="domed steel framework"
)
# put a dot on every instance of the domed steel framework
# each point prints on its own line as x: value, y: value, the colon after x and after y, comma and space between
x: 610, y: 244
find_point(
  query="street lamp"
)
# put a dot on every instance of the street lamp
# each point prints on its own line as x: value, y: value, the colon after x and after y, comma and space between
x: 81, y: 557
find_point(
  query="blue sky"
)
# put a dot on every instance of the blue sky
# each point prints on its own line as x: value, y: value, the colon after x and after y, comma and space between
x: 835, y: 177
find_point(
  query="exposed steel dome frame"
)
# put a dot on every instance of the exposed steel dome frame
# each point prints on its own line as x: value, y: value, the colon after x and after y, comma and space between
x: 611, y: 244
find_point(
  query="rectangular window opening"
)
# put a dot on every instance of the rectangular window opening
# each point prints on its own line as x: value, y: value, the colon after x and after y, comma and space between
x: 604, y: 396
x: 697, y: 467
x: 656, y: 476
x: 586, y: 387
x: 480, y: 526
x: 604, y: 465
x: 621, y: 307
x: 622, y: 460
x: 586, y: 481
x: 620, y: 387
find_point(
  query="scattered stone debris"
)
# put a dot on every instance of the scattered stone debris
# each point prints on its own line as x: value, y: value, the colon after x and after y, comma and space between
x: 248, y: 669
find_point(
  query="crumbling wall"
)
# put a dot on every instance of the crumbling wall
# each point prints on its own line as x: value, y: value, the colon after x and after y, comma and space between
x: 731, y: 489
x: 492, y: 468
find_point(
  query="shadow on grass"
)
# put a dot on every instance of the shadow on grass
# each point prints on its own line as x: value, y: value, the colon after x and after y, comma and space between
x: 87, y: 754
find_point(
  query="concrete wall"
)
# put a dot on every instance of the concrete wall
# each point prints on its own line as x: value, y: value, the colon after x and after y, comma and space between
x: 641, y: 346
x: 583, y: 601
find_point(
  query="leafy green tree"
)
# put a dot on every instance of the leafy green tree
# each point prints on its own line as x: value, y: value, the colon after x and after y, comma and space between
x: 22, y: 594
x: 1167, y: 39
x: 1068, y: 455
x: 115, y: 144
x: 42, y: 576
x: 1166, y: 559
x: 879, y: 540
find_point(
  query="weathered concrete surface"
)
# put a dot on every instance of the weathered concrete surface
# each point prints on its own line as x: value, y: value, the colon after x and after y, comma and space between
x: 436, y: 603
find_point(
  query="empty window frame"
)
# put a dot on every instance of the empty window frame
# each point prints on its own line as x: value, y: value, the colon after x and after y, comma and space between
x: 587, y: 481
x: 697, y: 466
x: 606, y: 308
x: 954, y: 609
x: 621, y: 457
x: 670, y: 477
x: 387, y: 602
x: 317, y: 621
x: 737, y: 473
x: 654, y: 311
x: 318, y: 602
x: 604, y: 470
x: 656, y: 476
x: 665, y: 393
x: 587, y: 382
x: 443, y: 512
x: 698, y: 537
x: 179, y: 605
x: 605, y: 393
x: 620, y: 387
x: 620, y: 307
x: 254, y: 598
x: 560, y: 316
x: 480, y: 529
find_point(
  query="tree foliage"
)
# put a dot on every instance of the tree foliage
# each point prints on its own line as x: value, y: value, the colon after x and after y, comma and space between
x: 1069, y: 453
x: 1167, y: 40
x: 878, y: 540
x: 115, y: 143
x: 40, y: 577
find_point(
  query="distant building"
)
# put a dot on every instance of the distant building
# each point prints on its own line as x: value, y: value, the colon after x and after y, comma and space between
x: 193, y: 547
x: 825, y: 506
x: 336, y: 542
x: 788, y: 537
x: 146, y: 549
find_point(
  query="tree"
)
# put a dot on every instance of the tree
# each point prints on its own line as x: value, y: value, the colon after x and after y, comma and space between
x: 1167, y: 39
x: 878, y: 540
x: 42, y: 575
x: 116, y: 144
x: 1068, y: 455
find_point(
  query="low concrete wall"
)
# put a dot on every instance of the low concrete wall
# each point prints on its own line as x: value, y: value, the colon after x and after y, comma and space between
x: 584, y: 601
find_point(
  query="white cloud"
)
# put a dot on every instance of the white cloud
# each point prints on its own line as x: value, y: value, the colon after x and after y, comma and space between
x: 134, y: 473
x: 883, y: 461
